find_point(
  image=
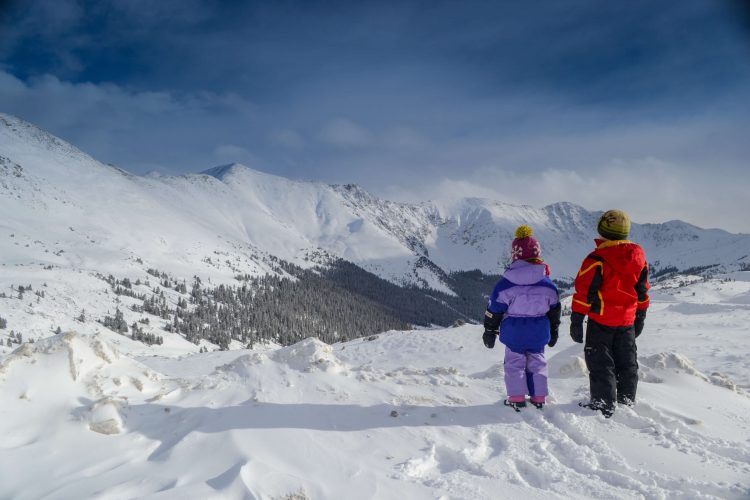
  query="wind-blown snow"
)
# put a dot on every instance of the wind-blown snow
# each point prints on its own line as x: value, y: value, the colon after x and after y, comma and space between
x: 399, y: 415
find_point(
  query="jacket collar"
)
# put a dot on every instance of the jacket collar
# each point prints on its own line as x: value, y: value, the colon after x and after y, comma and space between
x: 600, y: 243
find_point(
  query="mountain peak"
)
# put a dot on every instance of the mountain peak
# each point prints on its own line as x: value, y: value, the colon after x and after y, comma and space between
x: 222, y: 171
x: 21, y: 132
x: 238, y: 171
x: 353, y: 191
x: 43, y: 153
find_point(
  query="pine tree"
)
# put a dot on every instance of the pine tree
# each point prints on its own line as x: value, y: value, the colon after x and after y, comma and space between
x: 117, y: 323
x: 120, y: 324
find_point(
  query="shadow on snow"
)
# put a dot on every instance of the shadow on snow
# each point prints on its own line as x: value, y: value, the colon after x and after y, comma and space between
x: 170, y: 424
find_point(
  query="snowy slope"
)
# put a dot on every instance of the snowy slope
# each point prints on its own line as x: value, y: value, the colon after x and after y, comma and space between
x: 67, y: 210
x: 67, y: 218
x: 477, y: 232
x: 60, y: 198
x: 224, y: 222
x: 404, y: 415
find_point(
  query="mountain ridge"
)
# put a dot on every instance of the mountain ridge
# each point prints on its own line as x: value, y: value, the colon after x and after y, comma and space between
x: 79, y: 233
x: 290, y: 218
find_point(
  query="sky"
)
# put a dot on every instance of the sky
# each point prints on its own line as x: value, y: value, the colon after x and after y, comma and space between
x: 638, y: 105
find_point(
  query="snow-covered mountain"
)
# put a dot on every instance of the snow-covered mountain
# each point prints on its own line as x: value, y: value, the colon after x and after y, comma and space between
x: 398, y: 414
x: 69, y: 220
x: 65, y: 208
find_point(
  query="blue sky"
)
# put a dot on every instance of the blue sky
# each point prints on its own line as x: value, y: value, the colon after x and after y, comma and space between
x: 641, y: 105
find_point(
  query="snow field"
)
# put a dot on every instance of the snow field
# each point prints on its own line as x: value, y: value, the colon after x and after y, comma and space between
x: 404, y: 415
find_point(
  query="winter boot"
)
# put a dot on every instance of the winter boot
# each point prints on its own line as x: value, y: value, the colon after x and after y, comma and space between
x: 538, y: 401
x: 626, y: 401
x: 516, y: 405
x: 607, y: 409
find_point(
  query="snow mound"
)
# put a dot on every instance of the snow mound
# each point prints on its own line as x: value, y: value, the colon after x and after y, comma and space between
x: 688, y: 308
x: 576, y: 367
x: 723, y: 380
x: 742, y: 298
x: 309, y: 355
x: 85, y: 376
x: 243, y: 366
x: 664, y: 361
x: 671, y: 360
x: 420, y: 410
x: 493, y: 372
x: 84, y: 354
x: 105, y: 416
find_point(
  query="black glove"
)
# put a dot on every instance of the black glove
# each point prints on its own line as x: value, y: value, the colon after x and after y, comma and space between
x: 489, y: 338
x: 492, y: 321
x: 553, y: 337
x: 576, y: 327
x: 640, y: 320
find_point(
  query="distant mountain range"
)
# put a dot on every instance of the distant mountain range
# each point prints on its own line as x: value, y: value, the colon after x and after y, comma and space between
x: 52, y: 192
x: 62, y: 209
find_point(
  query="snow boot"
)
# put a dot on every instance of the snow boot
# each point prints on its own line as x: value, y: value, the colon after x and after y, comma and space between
x: 538, y: 401
x: 516, y: 405
x: 606, y: 409
x: 626, y: 401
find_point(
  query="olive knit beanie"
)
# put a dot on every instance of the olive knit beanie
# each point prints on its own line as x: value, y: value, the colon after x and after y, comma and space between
x: 614, y: 225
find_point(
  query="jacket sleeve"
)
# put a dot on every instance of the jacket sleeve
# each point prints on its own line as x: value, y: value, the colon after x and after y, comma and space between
x: 495, y: 309
x: 588, y: 283
x: 641, y: 289
x: 495, y: 304
x: 554, y: 316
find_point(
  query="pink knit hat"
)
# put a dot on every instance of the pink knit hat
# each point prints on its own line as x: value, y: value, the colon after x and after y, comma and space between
x: 525, y: 246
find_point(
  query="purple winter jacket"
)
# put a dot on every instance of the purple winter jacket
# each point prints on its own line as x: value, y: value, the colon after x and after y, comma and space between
x: 524, y: 296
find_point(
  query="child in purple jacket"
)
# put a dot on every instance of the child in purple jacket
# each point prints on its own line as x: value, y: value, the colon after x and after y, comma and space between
x: 524, y: 310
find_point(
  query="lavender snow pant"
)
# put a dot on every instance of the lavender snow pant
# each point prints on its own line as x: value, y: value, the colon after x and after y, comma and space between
x: 525, y: 374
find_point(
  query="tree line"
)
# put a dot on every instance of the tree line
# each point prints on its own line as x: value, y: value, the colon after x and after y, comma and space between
x: 336, y: 302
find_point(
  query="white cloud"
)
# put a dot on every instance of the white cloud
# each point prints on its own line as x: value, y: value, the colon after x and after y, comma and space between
x: 232, y: 153
x: 344, y: 133
x: 650, y: 190
x: 405, y: 137
x: 689, y: 167
x: 135, y: 130
x: 287, y: 138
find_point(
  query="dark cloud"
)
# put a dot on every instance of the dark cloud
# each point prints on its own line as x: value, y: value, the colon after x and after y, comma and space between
x: 402, y: 97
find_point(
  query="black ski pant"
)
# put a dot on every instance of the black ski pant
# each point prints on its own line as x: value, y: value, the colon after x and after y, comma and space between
x: 611, y: 357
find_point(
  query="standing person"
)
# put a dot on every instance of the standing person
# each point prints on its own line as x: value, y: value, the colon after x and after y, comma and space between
x: 525, y: 302
x: 612, y: 289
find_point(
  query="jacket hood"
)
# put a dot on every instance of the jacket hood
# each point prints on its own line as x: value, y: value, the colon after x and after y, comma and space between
x: 624, y: 256
x: 526, y: 273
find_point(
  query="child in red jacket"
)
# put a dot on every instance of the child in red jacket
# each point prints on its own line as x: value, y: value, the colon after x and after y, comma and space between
x: 612, y: 289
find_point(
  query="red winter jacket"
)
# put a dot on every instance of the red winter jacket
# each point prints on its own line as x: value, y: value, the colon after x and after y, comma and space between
x: 612, y: 283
